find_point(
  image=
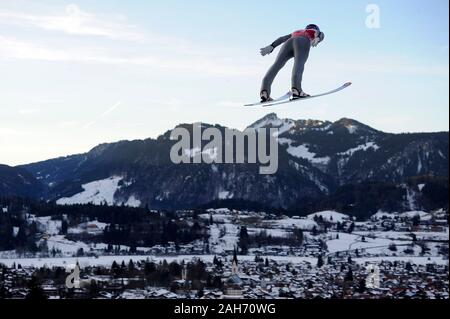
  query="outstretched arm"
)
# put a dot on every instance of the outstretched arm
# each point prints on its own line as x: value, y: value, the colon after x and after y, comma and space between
x: 281, y: 40
x: 269, y: 49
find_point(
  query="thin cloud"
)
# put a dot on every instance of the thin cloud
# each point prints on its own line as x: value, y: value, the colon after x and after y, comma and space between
x: 68, y: 124
x: 74, y: 21
x: 104, y: 114
x: 158, y: 51
x: 382, y: 64
x: 110, y: 110
x: 199, y: 66
x: 230, y: 104
x: 6, y: 132
x: 88, y: 125
x: 28, y: 111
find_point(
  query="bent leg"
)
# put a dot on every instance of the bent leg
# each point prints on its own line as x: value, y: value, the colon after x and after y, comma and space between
x: 302, y: 47
x: 286, y: 53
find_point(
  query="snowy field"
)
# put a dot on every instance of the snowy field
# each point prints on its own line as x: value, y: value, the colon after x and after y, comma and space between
x: 224, y: 236
x: 99, y: 192
x: 224, y: 231
x: 352, y: 241
x: 108, y: 260
x: 291, y: 223
x: 394, y: 235
x: 411, y: 214
x: 330, y: 216
x: 96, y: 193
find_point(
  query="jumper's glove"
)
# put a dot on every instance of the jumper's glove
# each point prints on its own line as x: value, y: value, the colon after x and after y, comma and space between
x: 267, y: 50
x: 319, y: 38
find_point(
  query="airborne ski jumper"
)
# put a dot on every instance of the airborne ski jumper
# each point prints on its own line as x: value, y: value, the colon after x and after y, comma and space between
x: 296, y: 45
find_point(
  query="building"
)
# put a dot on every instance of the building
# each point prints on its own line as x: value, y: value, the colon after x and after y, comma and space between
x: 233, y: 284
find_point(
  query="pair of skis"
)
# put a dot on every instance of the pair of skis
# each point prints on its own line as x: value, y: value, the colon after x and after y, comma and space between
x: 287, y: 98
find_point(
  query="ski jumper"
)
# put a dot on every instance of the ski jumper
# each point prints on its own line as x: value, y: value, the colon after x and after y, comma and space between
x: 296, y: 45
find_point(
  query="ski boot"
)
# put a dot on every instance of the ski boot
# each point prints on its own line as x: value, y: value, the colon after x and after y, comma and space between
x: 298, y: 94
x: 265, y: 97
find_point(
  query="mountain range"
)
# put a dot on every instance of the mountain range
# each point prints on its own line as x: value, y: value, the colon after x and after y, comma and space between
x: 344, y: 165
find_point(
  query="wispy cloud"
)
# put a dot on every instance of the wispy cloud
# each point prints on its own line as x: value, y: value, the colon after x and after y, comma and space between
x: 28, y: 111
x: 230, y: 104
x: 74, y: 21
x: 399, y: 68
x: 6, y: 132
x: 156, y: 51
x: 102, y: 115
x: 110, y: 110
x: 11, y: 48
x: 68, y: 124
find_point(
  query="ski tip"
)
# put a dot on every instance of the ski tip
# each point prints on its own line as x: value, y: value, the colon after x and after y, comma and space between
x: 348, y: 84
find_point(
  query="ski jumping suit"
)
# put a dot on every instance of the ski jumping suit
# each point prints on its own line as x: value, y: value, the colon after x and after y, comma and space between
x: 297, y: 46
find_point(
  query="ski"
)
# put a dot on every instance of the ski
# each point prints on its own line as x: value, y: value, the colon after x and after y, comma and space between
x: 287, y: 96
x: 285, y: 99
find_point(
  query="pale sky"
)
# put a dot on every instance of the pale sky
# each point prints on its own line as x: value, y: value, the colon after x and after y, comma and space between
x: 74, y: 74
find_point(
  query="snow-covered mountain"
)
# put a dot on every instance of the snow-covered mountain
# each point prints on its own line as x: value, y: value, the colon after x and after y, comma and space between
x: 319, y: 162
x: 352, y: 152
